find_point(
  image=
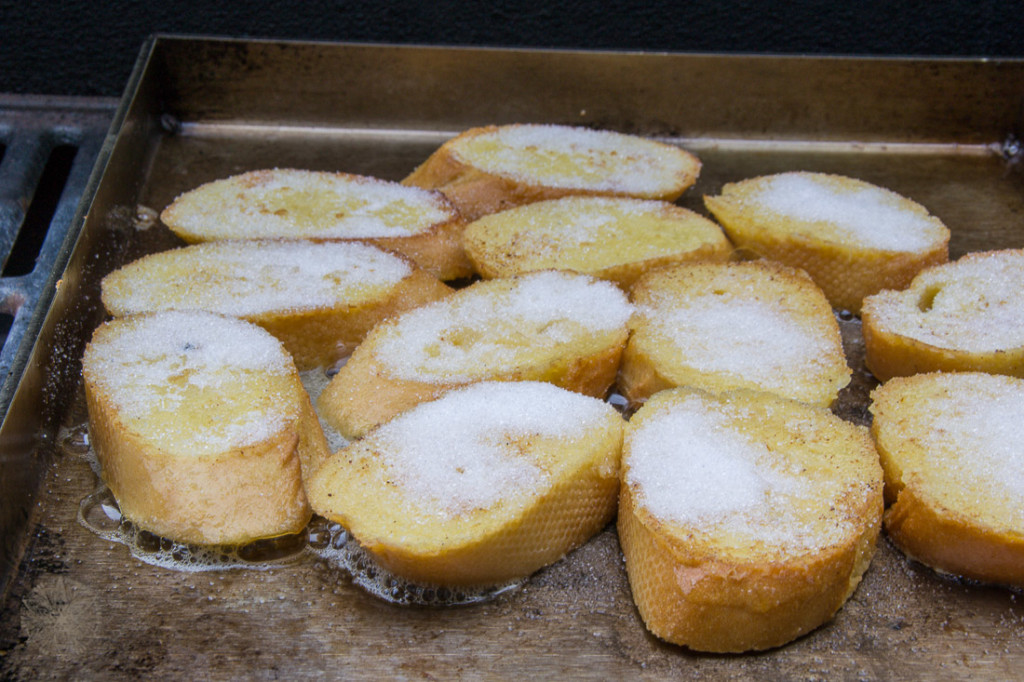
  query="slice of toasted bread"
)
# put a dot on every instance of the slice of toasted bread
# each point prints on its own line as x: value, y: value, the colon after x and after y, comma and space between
x: 489, y: 169
x: 613, y: 238
x: 746, y: 519
x: 563, y: 328
x: 852, y: 237
x: 753, y: 324
x: 299, y: 204
x: 319, y: 299
x: 961, y: 316
x: 950, y: 445
x: 486, y: 484
x: 202, y: 427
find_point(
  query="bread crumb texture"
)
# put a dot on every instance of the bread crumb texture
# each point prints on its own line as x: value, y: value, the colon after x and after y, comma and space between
x: 746, y: 519
x: 950, y: 444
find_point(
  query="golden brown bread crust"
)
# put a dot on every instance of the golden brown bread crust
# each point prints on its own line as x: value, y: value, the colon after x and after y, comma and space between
x: 845, y: 270
x: 299, y: 204
x: 705, y: 590
x: 476, y: 191
x: 508, y: 538
x: 613, y: 238
x: 659, y: 356
x: 947, y: 483
x: 244, y: 491
x: 940, y: 321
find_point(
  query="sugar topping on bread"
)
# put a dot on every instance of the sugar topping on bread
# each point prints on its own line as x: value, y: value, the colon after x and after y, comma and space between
x: 857, y: 213
x: 302, y: 204
x: 452, y: 457
x: 575, y: 158
x: 469, y: 336
x: 246, y: 278
x: 614, y: 238
x: 698, y: 465
x: 754, y: 324
x: 167, y: 369
x: 972, y: 304
x: 959, y: 435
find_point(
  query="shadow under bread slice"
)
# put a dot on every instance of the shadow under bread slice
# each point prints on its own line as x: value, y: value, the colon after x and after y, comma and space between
x: 202, y: 427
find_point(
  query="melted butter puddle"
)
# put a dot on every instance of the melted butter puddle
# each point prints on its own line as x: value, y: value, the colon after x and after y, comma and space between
x: 99, y: 513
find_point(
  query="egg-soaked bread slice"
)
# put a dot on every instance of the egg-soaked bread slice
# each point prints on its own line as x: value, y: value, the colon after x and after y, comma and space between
x: 753, y: 324
x: 202, y: 427
x: 853, y: 238
x: 318, y: 298
x: 486, y: 484
x: 489, y: 169
x: 563, y: 328
x: 746, y: 520
x: 962, y: 316
x: 951, y: 447
x: 613, y: 238
x: 285, y: 203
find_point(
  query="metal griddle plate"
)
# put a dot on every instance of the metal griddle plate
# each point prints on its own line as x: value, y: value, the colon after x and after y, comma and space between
x: 78, y: 606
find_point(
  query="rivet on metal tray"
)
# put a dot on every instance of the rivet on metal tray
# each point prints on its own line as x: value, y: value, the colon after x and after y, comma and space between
x: 1012, y: 149
x: 170, y: 124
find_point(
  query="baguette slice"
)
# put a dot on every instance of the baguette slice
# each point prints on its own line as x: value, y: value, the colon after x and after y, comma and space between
x: 951, y: 448
x: 484, y: 485
x: 559, y: 327
x: 753, y: 324
x: 489, y: 169
x: 962, y: 316
x: 612, y: 238
x: 746, y: 520
x: 299, y: 204
x: 853, y: 238
x: 202, y: 428
x: 318, y: 299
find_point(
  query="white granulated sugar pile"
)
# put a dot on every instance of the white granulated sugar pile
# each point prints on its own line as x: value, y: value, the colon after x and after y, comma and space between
x: 869, y: 216
x: 563, y: 156
x: 975, y: 305
x: 253, y: 277
x: 484, y: 331
x: 691, y: 468
x: 977, y: 429
x: 451, y: 456
x: 164, y: 360
x: 758, y: 340
x: 293, y: 203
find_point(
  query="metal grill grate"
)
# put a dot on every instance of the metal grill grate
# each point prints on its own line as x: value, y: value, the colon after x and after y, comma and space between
x: 47, y: 150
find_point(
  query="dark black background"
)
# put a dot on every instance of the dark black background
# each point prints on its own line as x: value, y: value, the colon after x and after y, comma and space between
x: 88, y: 47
